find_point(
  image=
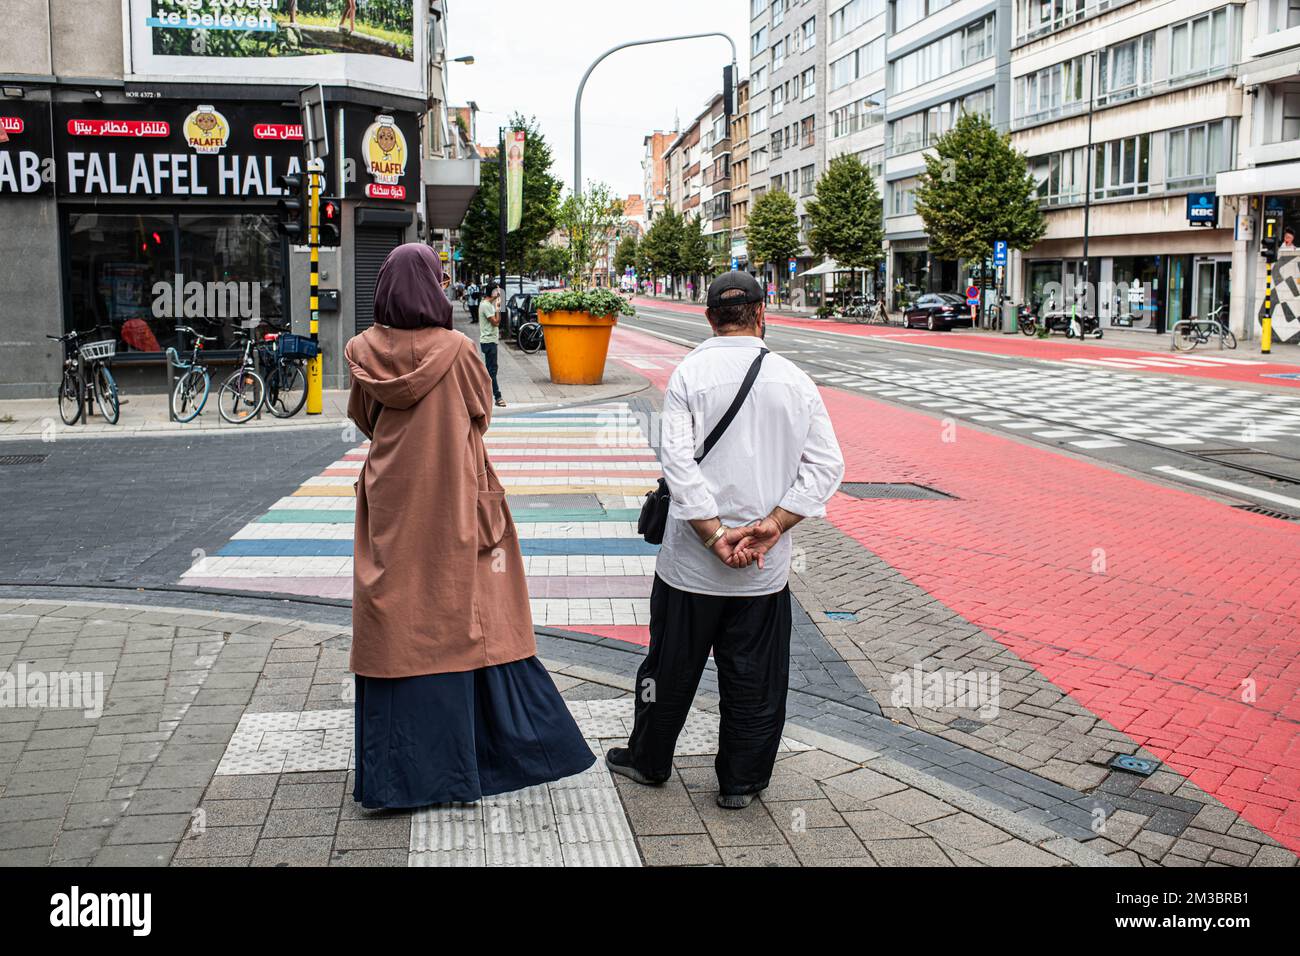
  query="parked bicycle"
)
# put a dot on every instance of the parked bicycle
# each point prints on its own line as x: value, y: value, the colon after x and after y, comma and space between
x: 242, y: 394
x: 190, y: 393
x: 282, y: 359
x: 87, y: 382
x: 866, y: 309
x: 1189, y: 333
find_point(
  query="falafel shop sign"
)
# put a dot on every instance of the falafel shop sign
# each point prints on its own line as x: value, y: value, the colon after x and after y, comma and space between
x: 213, y: 150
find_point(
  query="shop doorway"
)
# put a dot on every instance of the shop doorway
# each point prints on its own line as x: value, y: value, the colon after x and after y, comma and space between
x: 1212, y: 283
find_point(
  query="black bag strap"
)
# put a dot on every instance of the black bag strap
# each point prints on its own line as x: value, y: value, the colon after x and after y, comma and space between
x: 750, y: 377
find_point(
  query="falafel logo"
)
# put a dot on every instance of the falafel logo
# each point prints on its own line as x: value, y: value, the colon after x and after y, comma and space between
x: 206, y: 130
x: 385, y: 151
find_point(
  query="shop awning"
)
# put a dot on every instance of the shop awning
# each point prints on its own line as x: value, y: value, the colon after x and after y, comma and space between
x: 826, y: 268
x: 449, y: 188
x: 1278, y: 178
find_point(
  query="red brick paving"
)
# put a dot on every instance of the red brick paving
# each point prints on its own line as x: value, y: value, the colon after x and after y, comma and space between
x: 1196, y: 597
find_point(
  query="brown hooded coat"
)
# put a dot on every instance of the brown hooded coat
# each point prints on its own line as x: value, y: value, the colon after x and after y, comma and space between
x: 438, y: 577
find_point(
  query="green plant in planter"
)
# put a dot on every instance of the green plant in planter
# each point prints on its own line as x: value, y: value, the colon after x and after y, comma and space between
x: 597, y: 302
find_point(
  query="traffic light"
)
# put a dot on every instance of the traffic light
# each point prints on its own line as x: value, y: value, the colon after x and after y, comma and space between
x: 292, y: 209
x: 1268, y: 248
x: 331, y: 221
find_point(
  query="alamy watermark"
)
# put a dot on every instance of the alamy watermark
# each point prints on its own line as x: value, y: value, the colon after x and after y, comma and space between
x: 947, y: 689
x: 178, y: 299
x: 72, y: 690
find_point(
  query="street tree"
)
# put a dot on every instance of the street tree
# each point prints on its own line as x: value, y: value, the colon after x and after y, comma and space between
x: 625, y: 255
x: 589, y: 221
x: 661, y: 247
x: 773, y: 231
x: 846, y: 217
x: 977, y: 189
x: 479, y: 234
x: 696, y: 255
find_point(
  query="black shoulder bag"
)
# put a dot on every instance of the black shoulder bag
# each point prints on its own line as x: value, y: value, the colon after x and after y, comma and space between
x: 654, y: 512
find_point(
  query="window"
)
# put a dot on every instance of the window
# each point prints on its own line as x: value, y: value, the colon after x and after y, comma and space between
x: 1196, y: 154
x: 778, y: 101
x: 758, y: 161
x: 1060, y: 176
x: 758, y: 121
x: 948, y: 54
x: 809, y: 83
x: 778, y: 144
x: 1199, y: 45
x: 855, y: 13
x: 1284, y: 15
x: 756, y: 8
x: 907, y: 12
x: 778, y: 12
x: 1125, y: 70
x: 874, y: 160
x: 806, y: 176
x: 758, y: 42
x: 808, y: 130
x: 809, y: 33
x: 1121, y: 167
x: 858, y: 115
x: 758, y: 81
x: 778, y: 54
x: 902, y: 197
x: 1037, y: 17
x: 864, y: 60
x: 1055, y: 91
x: 920, y: 130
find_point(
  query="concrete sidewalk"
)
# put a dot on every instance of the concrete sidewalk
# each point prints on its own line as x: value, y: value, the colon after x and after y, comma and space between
x: 226, y: 739
x: 525, y: 382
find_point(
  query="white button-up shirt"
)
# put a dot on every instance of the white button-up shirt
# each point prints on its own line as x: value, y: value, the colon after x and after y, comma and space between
x: 779, y: 450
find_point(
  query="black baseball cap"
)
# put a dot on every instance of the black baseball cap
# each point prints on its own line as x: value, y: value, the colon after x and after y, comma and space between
x: 722, y: 290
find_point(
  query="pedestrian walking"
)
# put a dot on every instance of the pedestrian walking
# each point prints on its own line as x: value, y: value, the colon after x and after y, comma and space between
x: 721, y: 577
x: 489, y: 335
x: 451, y: 701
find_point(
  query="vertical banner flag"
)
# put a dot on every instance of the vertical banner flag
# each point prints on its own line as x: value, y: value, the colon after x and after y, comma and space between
x: 515, y: 180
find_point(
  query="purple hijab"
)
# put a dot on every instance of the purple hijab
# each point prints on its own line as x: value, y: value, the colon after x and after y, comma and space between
x: 409, y: 292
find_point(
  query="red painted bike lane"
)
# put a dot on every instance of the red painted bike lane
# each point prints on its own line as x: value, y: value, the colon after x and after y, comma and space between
x: 1052, y: 349
x: 1174, y: 618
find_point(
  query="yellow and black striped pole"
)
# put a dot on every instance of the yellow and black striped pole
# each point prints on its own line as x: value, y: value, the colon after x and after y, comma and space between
x: 315, y: 389
x: 1266, y: 332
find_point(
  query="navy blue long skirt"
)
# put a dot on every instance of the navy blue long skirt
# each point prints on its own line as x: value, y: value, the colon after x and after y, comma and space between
x: 453, y: 738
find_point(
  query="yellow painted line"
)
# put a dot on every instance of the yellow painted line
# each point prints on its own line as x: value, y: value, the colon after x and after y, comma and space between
x: 324, y: 491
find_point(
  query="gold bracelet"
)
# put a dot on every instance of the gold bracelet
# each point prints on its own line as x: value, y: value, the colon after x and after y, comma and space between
x: 722, y: 529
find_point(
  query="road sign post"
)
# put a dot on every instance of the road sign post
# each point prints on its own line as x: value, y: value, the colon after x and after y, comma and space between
x: 315, y: 380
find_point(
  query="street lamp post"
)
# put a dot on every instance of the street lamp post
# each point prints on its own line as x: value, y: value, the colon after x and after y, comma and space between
x: 577, y: 101
x: 1087, y: 196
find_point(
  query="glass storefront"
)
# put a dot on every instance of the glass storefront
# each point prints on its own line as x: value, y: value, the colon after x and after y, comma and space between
x: 139, y: 275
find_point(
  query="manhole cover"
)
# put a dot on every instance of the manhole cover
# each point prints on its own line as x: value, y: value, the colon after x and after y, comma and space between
x: 22, y: 459
x: 879, y: 489
x: 1137, y: 765
x: 558, y: 502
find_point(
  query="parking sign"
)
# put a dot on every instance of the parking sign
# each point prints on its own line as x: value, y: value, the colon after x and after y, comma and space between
x: 999, y: 253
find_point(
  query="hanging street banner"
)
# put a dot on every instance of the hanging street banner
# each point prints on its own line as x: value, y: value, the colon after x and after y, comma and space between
x: 514, y: 179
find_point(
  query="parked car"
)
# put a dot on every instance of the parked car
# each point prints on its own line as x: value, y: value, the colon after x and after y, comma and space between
x: 938, y: 312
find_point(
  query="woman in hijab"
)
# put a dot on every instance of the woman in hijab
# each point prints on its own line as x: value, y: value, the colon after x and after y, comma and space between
x: 451, y: 701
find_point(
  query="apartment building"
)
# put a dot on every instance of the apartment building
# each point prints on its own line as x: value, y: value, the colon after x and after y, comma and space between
x: 739, y: 258
x: 715, y: 162
x: 1264, y: 183
x: 653, y: 171
x: 787, y: 96
x: 1148, y: 91
x: 942, y: 58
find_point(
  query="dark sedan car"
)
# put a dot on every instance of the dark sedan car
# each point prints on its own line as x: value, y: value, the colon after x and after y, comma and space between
x: 938, y: 312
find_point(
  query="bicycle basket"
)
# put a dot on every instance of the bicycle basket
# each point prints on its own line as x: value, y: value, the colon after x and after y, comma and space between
x: 298, y: 347
x: 96, y: 351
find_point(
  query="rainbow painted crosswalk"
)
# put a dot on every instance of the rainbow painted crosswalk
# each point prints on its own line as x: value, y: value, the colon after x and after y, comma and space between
x: 575, y: 478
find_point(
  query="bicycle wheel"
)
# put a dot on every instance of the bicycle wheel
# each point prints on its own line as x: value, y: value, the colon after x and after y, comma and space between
x: 1185, y: 337
x: 190, y: 394
x: 240, y: 396
x: 106, y: 394
x: 286, y: 390
x: 530, y: 337
x: 70, y: 397
x: 1229, y: 340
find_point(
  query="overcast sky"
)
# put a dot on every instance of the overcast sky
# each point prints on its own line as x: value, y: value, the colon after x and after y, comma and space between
x: 531, y: 54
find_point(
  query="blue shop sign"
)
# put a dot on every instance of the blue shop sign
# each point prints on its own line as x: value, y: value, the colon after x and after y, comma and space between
x: 1202, y: 209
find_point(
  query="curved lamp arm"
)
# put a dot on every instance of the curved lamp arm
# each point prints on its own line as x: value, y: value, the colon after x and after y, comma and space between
x: 577, y: 101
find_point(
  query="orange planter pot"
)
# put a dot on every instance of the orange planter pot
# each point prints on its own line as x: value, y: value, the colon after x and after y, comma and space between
x: 576, y: 346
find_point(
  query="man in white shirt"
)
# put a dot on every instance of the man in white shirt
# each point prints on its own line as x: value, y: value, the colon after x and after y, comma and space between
x: 721, y: 578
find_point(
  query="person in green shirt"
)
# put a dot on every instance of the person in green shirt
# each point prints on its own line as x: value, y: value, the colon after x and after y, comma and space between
x: 489, y: 334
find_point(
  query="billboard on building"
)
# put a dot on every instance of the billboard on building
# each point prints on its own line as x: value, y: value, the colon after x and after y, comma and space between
x: 375, y: 43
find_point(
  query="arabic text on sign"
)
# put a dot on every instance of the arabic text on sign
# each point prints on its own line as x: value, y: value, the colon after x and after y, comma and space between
x: 12, y: 124
x: 96, y: 127
x: 282, y: 131
x: 382, y: 191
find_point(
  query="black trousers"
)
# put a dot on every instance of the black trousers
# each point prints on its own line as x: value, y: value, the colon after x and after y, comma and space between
x: 490, y: 360
x: 750, y: 640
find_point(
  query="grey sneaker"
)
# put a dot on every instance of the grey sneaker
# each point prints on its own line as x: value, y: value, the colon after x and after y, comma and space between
x: 619, y: 761
x: 735, y: 801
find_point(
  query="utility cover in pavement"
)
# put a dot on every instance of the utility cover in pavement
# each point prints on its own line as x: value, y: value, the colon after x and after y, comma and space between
x: 560, y: 502
x: 878, y: 489
x: 22, y: 459
x: 1137, y: 765
x: 841, y: 616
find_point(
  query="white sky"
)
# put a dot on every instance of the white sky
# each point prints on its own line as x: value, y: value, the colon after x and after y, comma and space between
x: 531, y: 54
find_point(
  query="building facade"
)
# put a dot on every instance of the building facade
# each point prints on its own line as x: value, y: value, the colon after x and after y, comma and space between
x: 739, y: 258
x: 140, y: 176
x: 654, y: 172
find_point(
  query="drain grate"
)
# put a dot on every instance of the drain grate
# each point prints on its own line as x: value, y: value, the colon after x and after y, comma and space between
x: 1137, y: 765
x: 880, y: 489
x: 1267, y: 512
x: 22, y: 459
